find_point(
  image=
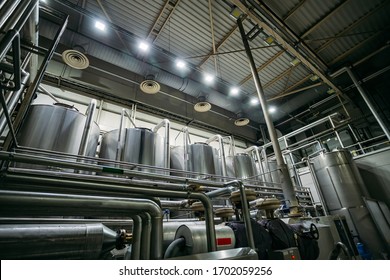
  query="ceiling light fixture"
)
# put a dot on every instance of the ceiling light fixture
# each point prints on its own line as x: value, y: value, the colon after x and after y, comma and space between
x: 254, y: 101
x: 143, y: 46
x: 295, y: 62
x: 271, y: 109
x: 181, y: 64
x: 100, y: 25
x: 235, y: 12
x: 331, y: 91
x: 234, y: 91
x: 314, y: 78
x: 269, y: 40
x: 208, y: 78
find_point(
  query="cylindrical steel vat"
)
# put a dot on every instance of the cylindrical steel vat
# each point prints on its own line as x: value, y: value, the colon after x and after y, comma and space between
x: 201, y: 159
x: 55, y: 241
x: 342, y: 189
x: 339, y: 179
x: 56, y: 128
x: 271, y: 172
x: 244, y: 166
x: 140, y: 146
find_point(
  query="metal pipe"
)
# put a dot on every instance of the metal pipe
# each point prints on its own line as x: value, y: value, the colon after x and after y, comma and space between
x: 132, y: 120
x: 33, y: 37
x: 368, y: 102
x: 151, y: 191
x: 222, y: 149
x: 56, y: 241
x: 121, y: 139
x: 45, y: 91
x: 220, y: 192
x: 287, y: 185
x: 145, y: 236
x: 165, y: 123
x: 12, y: 39
x: 19, y: 16
x: 136, y: 240
x: 87, y: 128
x: 48, y: 204
x: 6, y: 10
x: 8, y: 117
x: 257, y: 154
x: 13, y: 101
x: 174, y: 204
x: 34, y: 85
x: 245, y: 212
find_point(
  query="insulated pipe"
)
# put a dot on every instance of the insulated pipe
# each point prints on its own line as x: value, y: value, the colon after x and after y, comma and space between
x: 121, y: 139
x: 232, y: 151
x: 69, y: 184
x: 220, y: 192
x: 87, y: 128
x: 136, y: 242
x: 222, y: 149
x: 58, y: 241
x: 255, y: 149
x: 165, y: 123
x: 174, y: 248
x: 287, y: 185
x: 48, y: 204
x: 17, y: 18
x: 145, y: 236
x: 33, y: 37
x: 245, y: 212
x: 173, y: 204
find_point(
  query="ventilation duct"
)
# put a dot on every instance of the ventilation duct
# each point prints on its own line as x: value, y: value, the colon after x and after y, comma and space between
x: 241, y: 120
x: 202, y: 105
x: 149, y: 85
x: 76, y: 58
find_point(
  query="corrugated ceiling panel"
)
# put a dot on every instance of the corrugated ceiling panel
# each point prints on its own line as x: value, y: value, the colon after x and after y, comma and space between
x: 282, y: 8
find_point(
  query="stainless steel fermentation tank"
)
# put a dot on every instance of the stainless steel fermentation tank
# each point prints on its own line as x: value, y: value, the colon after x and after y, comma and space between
x: 198, y: 158
x: 137, y: 145
x: 241, y: 166
x: 342, y: 190
x: 59, y: 128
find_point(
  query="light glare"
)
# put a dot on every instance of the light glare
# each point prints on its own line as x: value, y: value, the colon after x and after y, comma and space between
x: 100, y: 25
x: 144, y: 46
x: 271, y: 109
x: 208, y: 78
x: 234, y: 91
x: 180, y: 64
x: 254, y: 101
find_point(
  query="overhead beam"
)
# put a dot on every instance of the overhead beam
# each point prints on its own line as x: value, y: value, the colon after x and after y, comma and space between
x: 294, y: 91
x: 358, y: 46
x: 293, y: 10
x: 284, y: 44
x: 220, y: 44
x: 352, y: 26
x: 280, y: 76
x: 169, y: 4
x: 326, y: 17
x: 261, y: 67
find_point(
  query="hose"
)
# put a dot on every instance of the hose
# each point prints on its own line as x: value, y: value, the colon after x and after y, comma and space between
x: 174, y: 248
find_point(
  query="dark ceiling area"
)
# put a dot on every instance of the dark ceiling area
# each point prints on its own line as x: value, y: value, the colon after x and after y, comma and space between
x: 298, y: 46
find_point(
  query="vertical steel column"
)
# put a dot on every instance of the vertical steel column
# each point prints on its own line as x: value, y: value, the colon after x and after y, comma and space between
x: 287, y: 186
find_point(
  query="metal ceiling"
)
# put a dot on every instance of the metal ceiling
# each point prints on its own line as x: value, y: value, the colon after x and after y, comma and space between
x: 325, y: 35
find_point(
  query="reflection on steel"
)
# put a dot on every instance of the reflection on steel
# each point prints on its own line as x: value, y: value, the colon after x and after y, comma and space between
x: 245, y: 253
x: 49, y: 204
x: 55, y: 241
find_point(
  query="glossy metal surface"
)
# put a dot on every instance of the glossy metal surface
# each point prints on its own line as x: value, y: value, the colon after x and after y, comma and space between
x: 244, y: 166
x: 196, y: 239
x: 232, y: 254
x: 138, y: 146
x: 201, y: 159
x: 56, y: 128
x: 55, y: 241
x: 339, y: 180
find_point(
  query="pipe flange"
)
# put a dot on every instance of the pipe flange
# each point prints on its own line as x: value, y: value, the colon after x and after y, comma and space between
x: 235, y: 197
x: 225, y: 212
x: 271, y: 203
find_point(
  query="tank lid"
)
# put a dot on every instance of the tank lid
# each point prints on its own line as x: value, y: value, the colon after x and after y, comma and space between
x: 71, y: 107
x: 200, y: 143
